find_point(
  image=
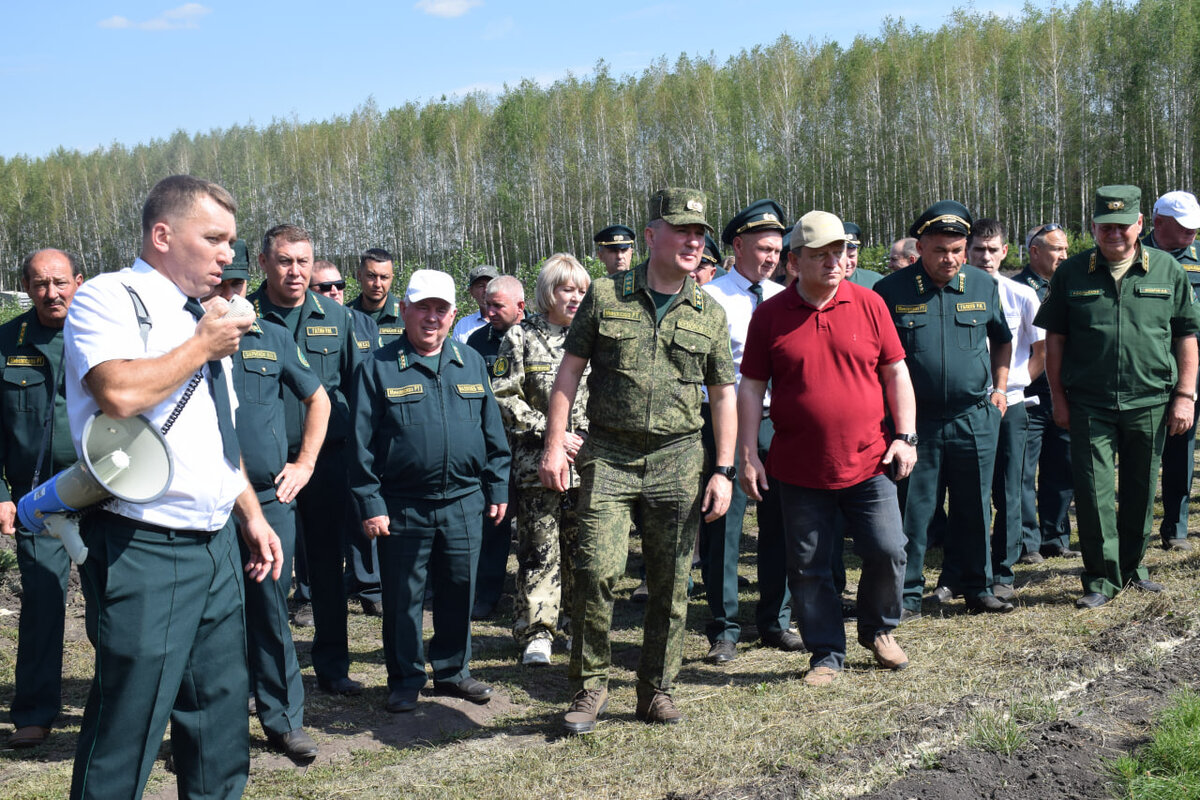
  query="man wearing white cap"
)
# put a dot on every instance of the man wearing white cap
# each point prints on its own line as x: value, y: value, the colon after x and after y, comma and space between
x: 432, y: 460
x: 1176, y: 218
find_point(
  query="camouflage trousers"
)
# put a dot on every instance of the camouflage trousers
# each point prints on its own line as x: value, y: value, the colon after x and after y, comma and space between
x: 663, y: 487
x: 547, y: 528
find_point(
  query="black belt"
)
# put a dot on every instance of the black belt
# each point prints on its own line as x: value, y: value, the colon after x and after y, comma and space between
x: 141, y: 525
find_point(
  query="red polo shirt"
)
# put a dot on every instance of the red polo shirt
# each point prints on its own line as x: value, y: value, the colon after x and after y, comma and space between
x: 827, y: 401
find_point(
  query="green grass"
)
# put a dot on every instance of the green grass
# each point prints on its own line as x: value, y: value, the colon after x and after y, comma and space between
x: 1168, y: 768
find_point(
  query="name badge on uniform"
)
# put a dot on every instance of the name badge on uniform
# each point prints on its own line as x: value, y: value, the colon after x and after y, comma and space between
x: 405, y: 391
x: 535, y: 368
x: 467, y: 389
x: 363, y: 344
x: 917, y: 309
x: 390, y: 331
x: 690, y: 325
x: 269, y: 355
x: 1152, y: 291
x: 26, y: 361
x: 1084, y: 293
x: 616, y: 313
x: 977, y: 305
x: 322, y: 330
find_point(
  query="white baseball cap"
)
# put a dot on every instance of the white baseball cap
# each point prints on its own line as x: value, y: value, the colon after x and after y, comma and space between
x: 1180, y: 205
x: 426, y: 283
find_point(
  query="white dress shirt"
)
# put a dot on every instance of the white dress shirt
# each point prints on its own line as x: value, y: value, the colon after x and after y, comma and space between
x: 732, y: 291
x: 102, y: 326
x: 1020, y: 307
x: 468, y: 325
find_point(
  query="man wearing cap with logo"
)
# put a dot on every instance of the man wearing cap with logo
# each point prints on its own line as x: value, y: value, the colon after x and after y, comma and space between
x: 1110, y: 313
x: 432, y: 460
x: 863, y: 277
x: 830, y: 352
x: 324, y: 332
x: 653, y: 339
x: 266, y: 364
x: 35, y: 443
x: 1176, y: 218
x: 756, y: 236
x: 1047, y: 490
x: 375, y: 299
x: 614, y: 248
x: 947, y: 312
x: 477, y: 283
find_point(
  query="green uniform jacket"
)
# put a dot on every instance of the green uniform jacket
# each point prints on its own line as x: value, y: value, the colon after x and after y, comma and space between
x: 266, y: 361
x: 646, y: 377
x: 326, y: 339
x: 423, y: 435
x: 865, y: 278
x: 391, y: 326
x: 1188, y: 257
x: 945, y: 333
x: 366, y: 332
x: 1118, y: 352
x: 32, y: 374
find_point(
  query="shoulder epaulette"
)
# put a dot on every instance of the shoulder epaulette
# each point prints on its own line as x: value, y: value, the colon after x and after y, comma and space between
x: 962, y: 281
x: 402, y: 361
x: 920, y: 278
x: 698, y: 296
x: 1092, y: 263
x: 628, y: 284
x: 317, y: 303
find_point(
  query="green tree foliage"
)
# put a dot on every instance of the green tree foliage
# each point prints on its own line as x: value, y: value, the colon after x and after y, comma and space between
x: 1017, y: 118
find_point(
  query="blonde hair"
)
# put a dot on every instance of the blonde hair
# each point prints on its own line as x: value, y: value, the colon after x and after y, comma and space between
x: 556, y: 270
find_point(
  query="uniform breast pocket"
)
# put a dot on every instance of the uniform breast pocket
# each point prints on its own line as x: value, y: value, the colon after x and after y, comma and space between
x: 616, y: 344
x: 470, y: 400
x: 405, y: 404
x: 971, y: 329
x: 20, y: 384
x: 262, y: 380
x: 911, y: 328
x: 688, y: 352
x: 322, y: 355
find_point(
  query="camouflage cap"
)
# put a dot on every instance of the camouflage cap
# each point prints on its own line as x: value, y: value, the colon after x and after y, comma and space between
x: 239, y: 268
x: 1120, y: 204
x: 677, y: 206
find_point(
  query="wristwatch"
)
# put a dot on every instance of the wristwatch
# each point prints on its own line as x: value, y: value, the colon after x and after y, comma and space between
x: 728, y: 472
x: 908, y: 438
x: 1189, y: 395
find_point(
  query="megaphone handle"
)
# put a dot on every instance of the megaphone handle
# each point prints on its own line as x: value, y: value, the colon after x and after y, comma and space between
x: 66, y: 530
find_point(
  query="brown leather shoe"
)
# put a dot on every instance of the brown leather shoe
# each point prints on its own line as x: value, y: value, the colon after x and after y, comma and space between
x: 29, y: 736
x: 658, y: 709
x: 887, y: 652
x: 820, y: 676
x: 585, y: 709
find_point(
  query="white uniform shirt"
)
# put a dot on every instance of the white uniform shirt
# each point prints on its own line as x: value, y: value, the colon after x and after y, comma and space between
x: 466, y: 326
x: 1020, y: 307
x: 732, y: 291
x: 102, y: 326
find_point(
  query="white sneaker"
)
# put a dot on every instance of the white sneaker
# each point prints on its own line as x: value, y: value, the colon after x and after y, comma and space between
x: 537, y: 653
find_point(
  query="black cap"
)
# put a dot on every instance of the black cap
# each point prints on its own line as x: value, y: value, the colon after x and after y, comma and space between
x: 787, y: 244
x: 618, y: 236
x: 944, y: 216
x: 854, y: 232
x: 239, y: 269
x: 761, y: 215
x: 712, y: 253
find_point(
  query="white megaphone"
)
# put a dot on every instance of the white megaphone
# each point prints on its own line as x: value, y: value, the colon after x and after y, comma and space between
x: 123, y: 458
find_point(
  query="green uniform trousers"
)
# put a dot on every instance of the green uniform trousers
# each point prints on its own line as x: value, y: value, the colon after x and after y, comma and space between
x: 958, y: 453
x: 274, y: 671
x: 164, y: 610
x: 664, y: 488
x: 45, y: 568
x: 321, y: 520
x: 1113, y: 540
x: 434, y: 541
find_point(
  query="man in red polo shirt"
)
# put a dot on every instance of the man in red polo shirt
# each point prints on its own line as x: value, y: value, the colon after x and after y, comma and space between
x: 832, y: 356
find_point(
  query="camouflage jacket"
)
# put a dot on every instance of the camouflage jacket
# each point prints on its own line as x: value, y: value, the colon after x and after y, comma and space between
x: 522, y: 376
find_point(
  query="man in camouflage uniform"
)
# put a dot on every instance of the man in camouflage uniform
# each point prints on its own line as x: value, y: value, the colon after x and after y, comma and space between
x: 653, y: 338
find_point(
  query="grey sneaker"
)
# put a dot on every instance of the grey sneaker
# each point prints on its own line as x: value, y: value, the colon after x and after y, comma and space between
x: 585, y: 709
x: 537, y: 653
x: 658, y: 709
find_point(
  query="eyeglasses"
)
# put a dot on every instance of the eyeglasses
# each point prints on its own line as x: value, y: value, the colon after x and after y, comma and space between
x: 1049, y: 227
x: 325, y: 286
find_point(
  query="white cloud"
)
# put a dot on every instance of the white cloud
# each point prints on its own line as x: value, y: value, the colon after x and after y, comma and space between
x: 187, y: 15
x: 447, y: 8
x: 498, y: 29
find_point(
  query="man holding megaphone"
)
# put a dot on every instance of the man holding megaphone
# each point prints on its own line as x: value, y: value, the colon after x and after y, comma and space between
x: 161, y: 578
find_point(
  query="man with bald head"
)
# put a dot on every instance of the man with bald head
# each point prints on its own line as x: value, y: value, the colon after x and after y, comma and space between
x: 903, y: 254
x: 32, y: 347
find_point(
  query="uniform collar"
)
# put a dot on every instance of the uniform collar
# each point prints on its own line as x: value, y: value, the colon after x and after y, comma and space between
x: 1032, y: 279
x: 389, y: 311
x: 957, y: 284
x: 634, y: 280
x: 311, y: 307
x: 32, y: 332
x: 450, y: 352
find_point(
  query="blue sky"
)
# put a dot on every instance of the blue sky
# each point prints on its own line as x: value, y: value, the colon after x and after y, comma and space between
x: 82, y: 74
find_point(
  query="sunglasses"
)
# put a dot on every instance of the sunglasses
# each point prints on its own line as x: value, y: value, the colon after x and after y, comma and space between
x: 325, y: 286
x: 1048, y: 228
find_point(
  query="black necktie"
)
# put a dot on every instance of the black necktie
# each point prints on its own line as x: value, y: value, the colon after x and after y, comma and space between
x: 756, y: 290
x: 220, y: 394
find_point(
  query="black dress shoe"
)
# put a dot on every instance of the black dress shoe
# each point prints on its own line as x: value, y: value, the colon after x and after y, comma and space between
x: 1059, y: 552
x: 467, y: 689
x: 482, y: 610
x: 372, y: 608
x: 344, y: 686
x: 401, y: 701
x: 786, y: 641
x: 1146, y: 586
x: 943, y: 594
x: 1091, y: 600
x: 302, y: 617
x: 296, y: 744
x: 722, y: 652
x: 988, y: 605
x: 1032, y: 558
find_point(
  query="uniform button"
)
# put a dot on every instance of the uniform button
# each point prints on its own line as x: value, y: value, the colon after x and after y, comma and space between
x: 326, y: 350
x: 264, y: 369
x: 22, y: 382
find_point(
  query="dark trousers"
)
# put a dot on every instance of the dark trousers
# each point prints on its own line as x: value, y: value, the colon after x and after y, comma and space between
x: 274, y: 671
x: 1178, y: 466
x: 720, y: 542
x: 45, y: 568
x: 1113, y: 539
x: 321, y: 519
x: 1007, y: 483
x: 165, y: 614
x: 493, y: 556
x: 434, y: 541
x: 1047, y: 489
x: 871, y: 515
x: 958, y: 453
x: 362, y: 562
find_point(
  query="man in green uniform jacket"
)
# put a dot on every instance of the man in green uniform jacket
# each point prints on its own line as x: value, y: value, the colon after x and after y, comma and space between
x: 35, y: 444
x: 653, y: 338
x: 375, y: 299
x: 1113, y: 317
x: 432, y: 459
